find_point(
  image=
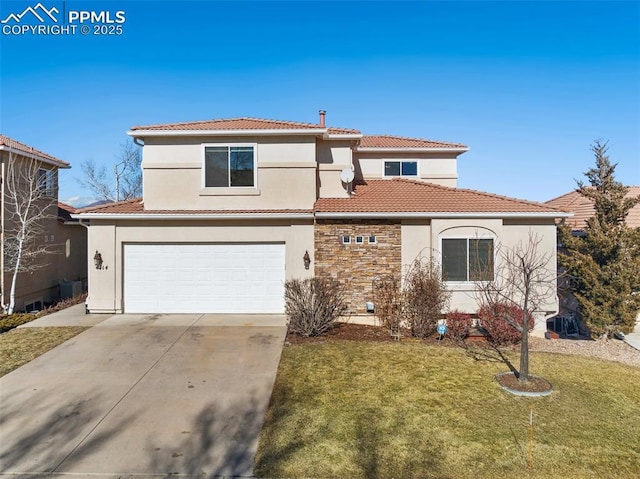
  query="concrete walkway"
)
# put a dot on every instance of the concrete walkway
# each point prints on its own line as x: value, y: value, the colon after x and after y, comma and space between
x: 142, y: 396
x: 633, y: 339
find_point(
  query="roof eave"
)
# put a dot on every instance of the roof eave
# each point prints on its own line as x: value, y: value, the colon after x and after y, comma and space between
x: 380, y: 149
x: 426, y: 214
x: 247, y: 132
x: 342, y: 136
x: 35, y: 156
x: 195, y: 216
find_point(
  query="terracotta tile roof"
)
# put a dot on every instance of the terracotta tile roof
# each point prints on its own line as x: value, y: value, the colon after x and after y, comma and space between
x: 387, y: 141
x: 65, y: 211
x: 30, y: 151
x: 242, y: 124
x: 136, y: 207
x: 409, y: 196
x: 582, y: 208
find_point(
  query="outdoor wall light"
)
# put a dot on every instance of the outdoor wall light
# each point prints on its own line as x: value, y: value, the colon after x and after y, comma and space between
x: 307, y: 260
x: 97, y: 260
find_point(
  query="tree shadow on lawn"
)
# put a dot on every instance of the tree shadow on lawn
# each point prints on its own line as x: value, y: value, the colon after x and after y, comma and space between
x: 38, y: 438
x: 489, y: 353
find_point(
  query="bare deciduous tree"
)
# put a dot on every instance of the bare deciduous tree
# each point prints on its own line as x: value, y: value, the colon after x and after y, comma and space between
x: 525, y: 277
x: 28, y: 204
x: 123, y: 183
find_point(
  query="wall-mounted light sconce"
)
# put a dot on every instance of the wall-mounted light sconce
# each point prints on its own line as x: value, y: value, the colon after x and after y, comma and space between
x: 97, y: 260
x: 307, y: 260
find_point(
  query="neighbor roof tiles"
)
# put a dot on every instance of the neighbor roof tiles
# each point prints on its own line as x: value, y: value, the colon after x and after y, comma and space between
x: 583, y: 209
x: 29, y: 150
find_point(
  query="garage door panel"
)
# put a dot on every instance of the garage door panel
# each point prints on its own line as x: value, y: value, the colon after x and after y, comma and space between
x: 209, y: 278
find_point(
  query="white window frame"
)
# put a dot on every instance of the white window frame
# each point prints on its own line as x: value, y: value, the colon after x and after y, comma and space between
x: 230, y: 145
x: 467, y: 282
x: 346, y: 239
x: 375, y: 239
x: 359, y: 239
x: 417, y: 175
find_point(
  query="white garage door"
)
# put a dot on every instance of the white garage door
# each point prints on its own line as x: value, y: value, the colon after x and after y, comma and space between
x: 204, y: 278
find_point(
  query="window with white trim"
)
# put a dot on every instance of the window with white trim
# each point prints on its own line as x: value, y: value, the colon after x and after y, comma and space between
x: 229, y: 166
x: 346, y: 239
x: 47, y: 182
x: 401, y: 168
x: 467, y: 259
x: 359, y: 239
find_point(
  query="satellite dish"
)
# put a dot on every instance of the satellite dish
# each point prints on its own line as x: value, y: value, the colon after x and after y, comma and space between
x: 346, y: 175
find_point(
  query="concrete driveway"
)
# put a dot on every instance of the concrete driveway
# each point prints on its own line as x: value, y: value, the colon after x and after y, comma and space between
x: 143, y: 396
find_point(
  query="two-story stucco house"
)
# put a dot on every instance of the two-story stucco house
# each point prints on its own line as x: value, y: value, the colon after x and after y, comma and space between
x: 63, y: 270
x: 232, y: 208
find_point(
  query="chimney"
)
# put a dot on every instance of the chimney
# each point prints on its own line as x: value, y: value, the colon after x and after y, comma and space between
x: 322, y: 114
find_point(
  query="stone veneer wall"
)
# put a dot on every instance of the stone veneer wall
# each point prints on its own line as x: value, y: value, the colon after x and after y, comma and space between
x: 356, y: 265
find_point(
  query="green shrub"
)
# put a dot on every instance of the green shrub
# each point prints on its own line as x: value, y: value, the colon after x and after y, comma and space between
x: 313, y: 305
x: 10, y: 321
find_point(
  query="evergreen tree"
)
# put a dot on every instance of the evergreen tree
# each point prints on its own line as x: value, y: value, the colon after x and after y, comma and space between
x: 604, y: 260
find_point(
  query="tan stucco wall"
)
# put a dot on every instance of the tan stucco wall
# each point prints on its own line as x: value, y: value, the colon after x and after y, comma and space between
x: 438, y: 168
x: 105, y: 285
x: 173, y: 174
x: 64, y: 262
x: 422, y: 238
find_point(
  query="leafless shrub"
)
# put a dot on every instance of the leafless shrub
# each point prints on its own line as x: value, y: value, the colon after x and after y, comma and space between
x: 388, y: 300
x: 425, y: 297
x: 458, y: 325
x: 313, y: 305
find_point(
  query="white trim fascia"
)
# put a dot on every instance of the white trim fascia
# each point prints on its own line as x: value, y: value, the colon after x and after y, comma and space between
x: 280, y: 132
x: 440, y: 215
x: 379, y: 149
x: 342, y: 136
x: 195, y: 216
x: 59, y: 164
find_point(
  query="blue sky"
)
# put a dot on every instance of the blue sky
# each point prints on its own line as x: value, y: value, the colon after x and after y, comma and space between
x: 527, y: 85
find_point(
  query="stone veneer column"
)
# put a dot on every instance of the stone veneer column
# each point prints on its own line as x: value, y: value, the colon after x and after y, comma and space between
x: 357, y: 265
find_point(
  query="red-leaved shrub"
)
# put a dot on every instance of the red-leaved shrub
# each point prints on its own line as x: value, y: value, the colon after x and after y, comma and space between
x: 458, y: 324
x: 493, y: 318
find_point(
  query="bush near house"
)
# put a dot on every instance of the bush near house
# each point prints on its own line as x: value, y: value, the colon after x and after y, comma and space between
x: 388, y: 301
x: 499, y: 332
x: 458, y: 324
x: 10, y: 321
x: 313, y: 305
x: 425, y: 297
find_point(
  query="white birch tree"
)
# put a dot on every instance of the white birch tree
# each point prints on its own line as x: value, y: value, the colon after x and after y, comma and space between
x: 28, y: 205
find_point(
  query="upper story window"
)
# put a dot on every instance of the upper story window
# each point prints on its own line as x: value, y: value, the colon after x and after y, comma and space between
x: 229, y: 166
x: 47, y: 182
x: 467, y: 259
x: 401, y: 168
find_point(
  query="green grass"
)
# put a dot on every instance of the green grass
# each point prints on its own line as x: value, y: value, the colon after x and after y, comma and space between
x: 349, y: 409
x: 19, y: 346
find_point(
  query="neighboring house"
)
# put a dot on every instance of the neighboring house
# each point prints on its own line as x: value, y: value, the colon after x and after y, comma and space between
x: 582, y: 208
x: 232, y: 208
x: 64, y: 270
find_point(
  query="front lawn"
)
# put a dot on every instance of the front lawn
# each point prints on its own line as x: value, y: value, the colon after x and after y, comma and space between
x: 357, y: 409
x: 19, y: 346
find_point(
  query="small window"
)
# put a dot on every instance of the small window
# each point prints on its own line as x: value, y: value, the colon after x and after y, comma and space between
x: 401, y: 168
x: 372, y: 239
x: 359, y: 239
x: 346, y: 239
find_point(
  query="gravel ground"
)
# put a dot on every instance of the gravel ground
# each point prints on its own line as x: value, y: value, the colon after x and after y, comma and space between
x: 610, y: 350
